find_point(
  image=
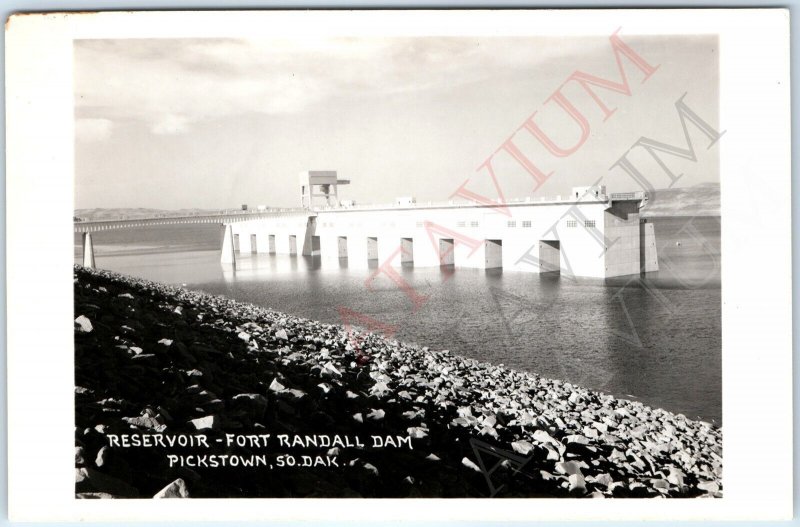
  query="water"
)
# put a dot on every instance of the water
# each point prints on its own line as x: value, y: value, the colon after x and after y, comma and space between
x: 655, y: 339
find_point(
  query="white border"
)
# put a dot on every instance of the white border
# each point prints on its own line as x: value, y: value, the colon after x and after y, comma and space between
x: 756, y: 272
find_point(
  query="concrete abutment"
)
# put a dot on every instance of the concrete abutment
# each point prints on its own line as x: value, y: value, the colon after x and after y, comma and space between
x: 88, y: 251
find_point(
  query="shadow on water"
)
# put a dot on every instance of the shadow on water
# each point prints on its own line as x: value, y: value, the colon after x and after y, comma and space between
x: 312, y: 263
x: 493, y: 274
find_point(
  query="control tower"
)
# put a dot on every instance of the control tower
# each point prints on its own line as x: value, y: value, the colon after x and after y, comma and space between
x: 315, y: 184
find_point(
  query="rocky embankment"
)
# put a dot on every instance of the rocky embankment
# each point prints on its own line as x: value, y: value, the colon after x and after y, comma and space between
x: 160, y: 361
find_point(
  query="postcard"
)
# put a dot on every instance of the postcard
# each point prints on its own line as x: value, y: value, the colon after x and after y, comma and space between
x: 417, y: 265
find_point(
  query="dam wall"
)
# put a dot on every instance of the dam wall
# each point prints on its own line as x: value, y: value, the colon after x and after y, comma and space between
x: 584, y: 237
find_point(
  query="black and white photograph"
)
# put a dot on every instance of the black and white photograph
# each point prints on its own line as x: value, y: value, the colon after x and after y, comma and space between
x: 416, y: 263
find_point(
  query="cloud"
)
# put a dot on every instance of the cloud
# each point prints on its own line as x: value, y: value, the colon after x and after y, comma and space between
x: 169, y: 84
x: 170, y: 124
x: 93, y: 130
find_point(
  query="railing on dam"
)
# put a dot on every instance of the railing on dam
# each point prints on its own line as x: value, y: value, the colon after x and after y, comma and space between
x: 622, y: 196
x: 222, y: 217
x: 463, y: 204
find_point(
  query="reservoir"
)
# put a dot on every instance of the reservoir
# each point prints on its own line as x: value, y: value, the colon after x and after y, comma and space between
x: 654, y: 338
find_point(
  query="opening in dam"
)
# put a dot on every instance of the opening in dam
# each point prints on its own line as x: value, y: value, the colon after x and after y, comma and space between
x: 550, y: 256
x: 494, y: 254
x: 407, y: 250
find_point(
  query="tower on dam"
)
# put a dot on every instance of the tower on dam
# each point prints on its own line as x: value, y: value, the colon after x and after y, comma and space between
x: 316, y: 185
x: 589, y: 233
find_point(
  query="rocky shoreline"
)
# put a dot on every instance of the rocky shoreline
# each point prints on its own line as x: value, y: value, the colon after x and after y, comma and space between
x: 166, y: 366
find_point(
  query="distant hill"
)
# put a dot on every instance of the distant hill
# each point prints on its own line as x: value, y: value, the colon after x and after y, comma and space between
x: 698, y: 200
x: 134, y: 213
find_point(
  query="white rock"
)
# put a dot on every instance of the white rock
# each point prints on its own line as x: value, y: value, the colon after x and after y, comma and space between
x: 84, y: 324
x: 602, y: 479
x: 464, y: 411
x: 205, y: 423
x: 591, y: 433
x: 330, y: 368
x: 275, y: 386
x: 661, y: 484
x: 469, y: 464
x: 708, y: 486
x: 577, y: 482
x: 544, y: 437
x: 379, y: 389
x: 568, y: 467
x: 552, y: 452
x: 522, y: 447
x: 296, y: 394
x: 376, y: 414
x: 417, y: 432
x: 176, y: 489
x: 676, y: 477
x: 577, y: 438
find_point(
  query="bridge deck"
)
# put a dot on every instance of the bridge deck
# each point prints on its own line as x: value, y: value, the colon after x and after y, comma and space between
x: 102, y: 225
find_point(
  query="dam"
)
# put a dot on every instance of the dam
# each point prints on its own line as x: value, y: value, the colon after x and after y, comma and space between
x: 588, y: 233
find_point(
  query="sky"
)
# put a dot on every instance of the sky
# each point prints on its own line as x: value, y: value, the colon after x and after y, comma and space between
x: 216, y: 123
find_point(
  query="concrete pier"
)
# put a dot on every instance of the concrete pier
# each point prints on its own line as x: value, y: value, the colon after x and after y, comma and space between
x: 228, y: 251
x: 88, y: 251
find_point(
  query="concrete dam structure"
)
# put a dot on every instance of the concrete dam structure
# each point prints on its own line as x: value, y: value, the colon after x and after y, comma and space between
x: 587, y: 234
